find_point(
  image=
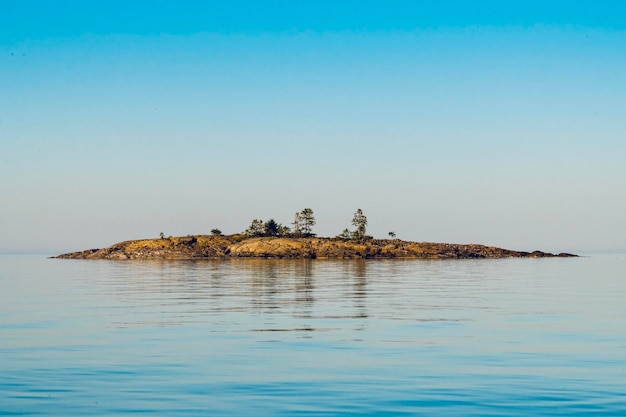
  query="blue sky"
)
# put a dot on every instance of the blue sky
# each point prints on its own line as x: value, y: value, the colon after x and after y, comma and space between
x: 471, y: 121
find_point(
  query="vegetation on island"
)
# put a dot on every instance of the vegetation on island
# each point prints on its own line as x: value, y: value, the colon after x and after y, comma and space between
x: 303, y: 227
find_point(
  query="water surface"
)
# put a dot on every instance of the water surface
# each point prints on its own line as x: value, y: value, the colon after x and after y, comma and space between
x: 299, y: 337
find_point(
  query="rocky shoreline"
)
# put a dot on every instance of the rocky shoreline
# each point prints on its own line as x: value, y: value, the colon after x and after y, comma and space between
x: 238, y: 246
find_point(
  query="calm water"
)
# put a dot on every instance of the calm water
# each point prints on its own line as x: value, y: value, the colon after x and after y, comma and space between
x: 258, y: 337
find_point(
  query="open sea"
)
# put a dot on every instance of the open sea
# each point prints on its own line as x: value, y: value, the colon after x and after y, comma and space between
x: 510, y: 337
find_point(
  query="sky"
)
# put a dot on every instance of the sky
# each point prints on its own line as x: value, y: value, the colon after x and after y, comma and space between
x: 500, y: 123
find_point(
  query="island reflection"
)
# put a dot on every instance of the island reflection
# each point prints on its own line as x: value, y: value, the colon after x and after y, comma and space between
x: 306, y: 293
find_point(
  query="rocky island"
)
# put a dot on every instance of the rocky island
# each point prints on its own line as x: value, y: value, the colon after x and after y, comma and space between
x: 241, y: 246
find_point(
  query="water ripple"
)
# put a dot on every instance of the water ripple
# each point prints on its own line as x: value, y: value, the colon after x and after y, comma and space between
x: 300, y: 337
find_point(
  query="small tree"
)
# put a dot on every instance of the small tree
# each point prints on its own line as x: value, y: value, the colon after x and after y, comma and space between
x: 216, y: 232
x: 162, y: 235
x: 392, y: 235
x: 360, y: 222
x: 283, y: 230
x: 346, y: 235
x: 256, y: 228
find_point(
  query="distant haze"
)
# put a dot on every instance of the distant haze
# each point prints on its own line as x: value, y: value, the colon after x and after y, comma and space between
x: 449, y: 123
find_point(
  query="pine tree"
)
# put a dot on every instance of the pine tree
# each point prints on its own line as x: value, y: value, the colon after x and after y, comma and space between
x: 283, y: 230
x: 297, y: 225
x: 360, y: 222
x: 256, y: 228
x: 308, y: 221
x: 271, y: 228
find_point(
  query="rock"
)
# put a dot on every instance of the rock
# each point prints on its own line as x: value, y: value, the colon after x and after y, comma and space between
x: 215, y: 247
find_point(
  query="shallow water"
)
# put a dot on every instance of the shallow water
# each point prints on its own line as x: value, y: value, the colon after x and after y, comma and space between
x: 512, y: 337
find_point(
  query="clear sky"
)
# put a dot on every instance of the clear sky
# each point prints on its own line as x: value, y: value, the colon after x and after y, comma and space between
x: 494, y: 122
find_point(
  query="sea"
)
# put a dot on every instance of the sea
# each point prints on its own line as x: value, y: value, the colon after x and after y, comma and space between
x: 260, y: 337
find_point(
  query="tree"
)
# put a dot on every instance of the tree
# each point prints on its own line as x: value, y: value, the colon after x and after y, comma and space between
x: 162, y: 235
x: 297, y: 225
x: 346, y: 234
x: 303, y: 223
x: 283, y: 230
x: 360, y: 222
x: 256, y: 228
x: 308, y: 221
x: 216, y: 232
x: 271, y: 228
x: 392, y: 235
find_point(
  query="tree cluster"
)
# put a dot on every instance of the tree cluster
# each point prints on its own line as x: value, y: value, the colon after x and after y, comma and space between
x: 302, y: 226
x: 269, y: 228
x: 303, y: 223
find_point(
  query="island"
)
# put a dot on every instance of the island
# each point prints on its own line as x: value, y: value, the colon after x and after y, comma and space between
x: 217, y: 246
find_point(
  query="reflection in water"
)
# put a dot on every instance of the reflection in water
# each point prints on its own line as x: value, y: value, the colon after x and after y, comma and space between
x: 199, y: 290
x: 311, y: 292
x: 360, y: 297
x: 274, y: 337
